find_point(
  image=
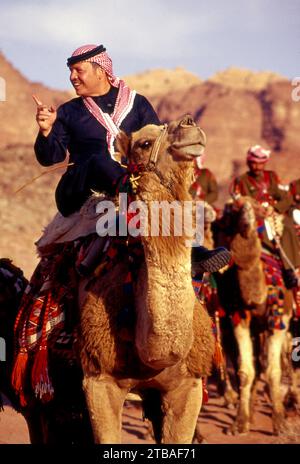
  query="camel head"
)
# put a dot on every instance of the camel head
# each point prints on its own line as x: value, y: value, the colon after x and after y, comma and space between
x: 245, y: 213
x: 246, y: 217
x: 168, y: 151
x: 239, y: 216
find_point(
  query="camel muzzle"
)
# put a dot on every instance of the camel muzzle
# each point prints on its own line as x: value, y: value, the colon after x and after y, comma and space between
x: 187, y: 139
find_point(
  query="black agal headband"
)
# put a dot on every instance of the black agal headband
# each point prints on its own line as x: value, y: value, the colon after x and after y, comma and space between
x: 85, y: 56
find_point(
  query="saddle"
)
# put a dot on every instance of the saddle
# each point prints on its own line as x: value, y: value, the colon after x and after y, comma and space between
x: 47, y: 318
x: 68, y: 229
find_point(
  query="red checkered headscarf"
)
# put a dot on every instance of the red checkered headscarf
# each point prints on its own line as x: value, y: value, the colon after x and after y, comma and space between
x: 125, y: 99
x: 258, y: 154
x: 101, y: 58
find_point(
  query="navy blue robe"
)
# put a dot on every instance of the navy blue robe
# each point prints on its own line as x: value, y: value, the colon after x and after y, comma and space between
x: 77, y: 131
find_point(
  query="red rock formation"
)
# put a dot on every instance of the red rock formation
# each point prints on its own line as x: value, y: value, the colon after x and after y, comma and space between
x: 239, y: 114
x: 17, y: 113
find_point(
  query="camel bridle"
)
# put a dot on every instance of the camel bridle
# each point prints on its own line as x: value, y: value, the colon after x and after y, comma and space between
x: 151, y: 165
x: 156, y: 146
x: 152, y: 161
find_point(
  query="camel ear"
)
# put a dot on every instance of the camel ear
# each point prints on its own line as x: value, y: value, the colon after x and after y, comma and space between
x: 123, y: 144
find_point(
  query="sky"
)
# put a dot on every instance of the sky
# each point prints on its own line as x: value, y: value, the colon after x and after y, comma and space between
x: 202, y: 36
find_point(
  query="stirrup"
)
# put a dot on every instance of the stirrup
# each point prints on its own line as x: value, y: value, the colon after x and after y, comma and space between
x: 204, y: 260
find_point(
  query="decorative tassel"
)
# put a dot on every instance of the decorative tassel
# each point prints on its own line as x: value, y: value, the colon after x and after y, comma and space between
x: 19, y: 374
x: 40, y: 380
x: 205, y: 395
x: 218, y: 355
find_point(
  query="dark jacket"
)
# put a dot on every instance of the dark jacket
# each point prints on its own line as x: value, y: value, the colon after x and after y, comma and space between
x: 264, y: 188
x: 78, y: 132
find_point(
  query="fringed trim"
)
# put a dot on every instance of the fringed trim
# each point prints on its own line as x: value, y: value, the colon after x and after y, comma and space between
x: 218, y: 355
x: 19, y: 375
x: 205, y: 395
x: 40, y: 379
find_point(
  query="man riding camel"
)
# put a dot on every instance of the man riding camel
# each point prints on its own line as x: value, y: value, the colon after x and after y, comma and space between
x: 87, y: 127
x: 264, y: 186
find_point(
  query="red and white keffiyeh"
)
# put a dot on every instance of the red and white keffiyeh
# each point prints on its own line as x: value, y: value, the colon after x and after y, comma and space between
x: 258, y: 154
x: 124, y: 101
x: 102, y: 59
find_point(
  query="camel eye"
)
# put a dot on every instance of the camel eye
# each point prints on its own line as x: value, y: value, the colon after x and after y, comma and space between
x: 146, y: 144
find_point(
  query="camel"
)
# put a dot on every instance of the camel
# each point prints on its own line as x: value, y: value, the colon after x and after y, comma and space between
x: 12, y: 285
x: 47, y: 423
x: 39, y: 418
x: 189, y: 359
x: 251, y: 295
x: 164, y: 355
x: 212, y: 303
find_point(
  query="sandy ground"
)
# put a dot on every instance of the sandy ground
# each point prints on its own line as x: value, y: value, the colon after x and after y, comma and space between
x: 214, y: 420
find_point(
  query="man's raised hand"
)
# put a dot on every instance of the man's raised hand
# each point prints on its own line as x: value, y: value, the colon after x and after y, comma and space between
x: 45, y: 116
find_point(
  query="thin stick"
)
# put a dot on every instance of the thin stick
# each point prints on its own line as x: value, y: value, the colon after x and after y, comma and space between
x: 53, y: 168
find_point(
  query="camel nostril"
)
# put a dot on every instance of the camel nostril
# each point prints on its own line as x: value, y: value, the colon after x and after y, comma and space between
x: 187, y: 121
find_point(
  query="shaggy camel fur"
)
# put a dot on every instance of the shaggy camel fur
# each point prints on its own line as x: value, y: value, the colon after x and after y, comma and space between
x: 171, y: 346
x: 246, y: 249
